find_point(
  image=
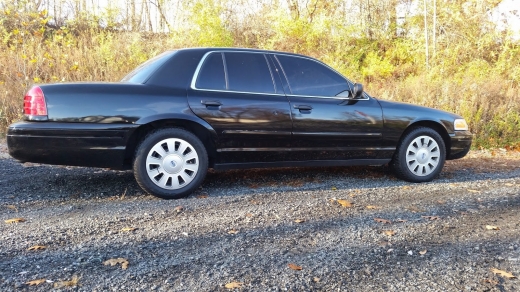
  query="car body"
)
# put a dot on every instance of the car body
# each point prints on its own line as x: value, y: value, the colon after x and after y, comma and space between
x: 246, y: 108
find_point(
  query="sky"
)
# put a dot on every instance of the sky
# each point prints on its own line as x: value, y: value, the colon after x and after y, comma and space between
x: 508, y: 10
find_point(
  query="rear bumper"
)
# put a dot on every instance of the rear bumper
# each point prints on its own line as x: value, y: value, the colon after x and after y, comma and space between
x: 78, y: 144
x: 460, y: 144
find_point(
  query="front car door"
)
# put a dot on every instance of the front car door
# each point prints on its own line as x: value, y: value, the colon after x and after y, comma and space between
x: 328, y: 124
x: 237, y: 93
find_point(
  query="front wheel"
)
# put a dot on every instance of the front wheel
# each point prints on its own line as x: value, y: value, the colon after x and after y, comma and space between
x: 420, y: 155
x: 170, y: 163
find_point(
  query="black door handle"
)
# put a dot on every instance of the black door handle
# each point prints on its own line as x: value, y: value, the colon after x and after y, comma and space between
x: 211, y: 102
x: 303, y: 108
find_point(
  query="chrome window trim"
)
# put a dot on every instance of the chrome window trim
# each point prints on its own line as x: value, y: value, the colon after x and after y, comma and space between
x: 326, y: 97
x: 241, y: 92
x: 201, y: 62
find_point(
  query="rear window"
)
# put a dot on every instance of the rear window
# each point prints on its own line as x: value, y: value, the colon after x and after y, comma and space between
x: 143, y: 72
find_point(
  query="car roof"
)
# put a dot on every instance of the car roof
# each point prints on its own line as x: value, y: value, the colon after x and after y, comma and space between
x: 211, y: 49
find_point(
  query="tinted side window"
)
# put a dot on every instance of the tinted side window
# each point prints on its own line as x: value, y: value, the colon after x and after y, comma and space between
x: 211, y: 74
x: 307, y: 77
x: 248, y: 72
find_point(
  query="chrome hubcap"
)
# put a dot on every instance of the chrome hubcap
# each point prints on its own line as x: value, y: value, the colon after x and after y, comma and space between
x: 423, y: 155
x: 172, y: 163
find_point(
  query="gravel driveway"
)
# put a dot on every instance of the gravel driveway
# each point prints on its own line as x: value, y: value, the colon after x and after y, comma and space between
x: 248, y: 226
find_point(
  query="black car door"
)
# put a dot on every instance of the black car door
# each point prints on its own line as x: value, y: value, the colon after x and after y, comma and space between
x: 327, y: 123
x: 237, y: 94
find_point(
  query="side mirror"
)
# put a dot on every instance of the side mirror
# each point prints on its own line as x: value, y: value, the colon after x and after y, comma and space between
x: 357, y: 90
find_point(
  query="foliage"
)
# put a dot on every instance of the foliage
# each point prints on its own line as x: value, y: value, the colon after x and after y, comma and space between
x: 473, y: 69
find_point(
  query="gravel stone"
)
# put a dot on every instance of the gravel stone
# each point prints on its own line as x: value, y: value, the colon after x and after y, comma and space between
x: 185, y: 245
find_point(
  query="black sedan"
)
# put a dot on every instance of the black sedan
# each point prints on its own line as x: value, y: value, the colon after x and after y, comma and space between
x: 185, y: 111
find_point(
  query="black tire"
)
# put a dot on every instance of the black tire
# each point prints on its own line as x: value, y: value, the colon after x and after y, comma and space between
x: 425, y: 161
x: 172, y: 174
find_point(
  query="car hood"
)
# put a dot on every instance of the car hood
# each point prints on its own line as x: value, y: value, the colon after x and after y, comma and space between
x: 408, y: 107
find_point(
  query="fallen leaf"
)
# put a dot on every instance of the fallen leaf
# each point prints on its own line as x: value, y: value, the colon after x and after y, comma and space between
x: 490, y: 281
x: 294, y: 267
x: 14, y: 220
x: 73, y: 282
x: 414, y: 209
x: 473, y: 191
x: 124, y: 194
x: 233, y: 285
x: 370, y: 207
x: 299, y: 220
x: 249, y: 215
x: 37, y: 247
x: 295, y: 183
x: 233, y: 231
x: 202, y: 196
x: 35, y: 282
x: 384, y: 243
x: 127, y: 229
x: 112, y: 262
x: 502, y: 273
x: 431, y: 218
x: 389, y: 232
x: 12, y: 207
x: 384, y: 221
x: 334, y: 188
x: 345, y: 203
x: 491, y: 227
x: 422, y: 252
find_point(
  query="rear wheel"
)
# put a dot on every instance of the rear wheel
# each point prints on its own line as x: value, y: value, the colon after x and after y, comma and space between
x: 420, y: 155
x: 170, y: 163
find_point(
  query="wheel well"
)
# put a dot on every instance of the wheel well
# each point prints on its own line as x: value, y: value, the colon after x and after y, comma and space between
x: 138, y: 135
x: 435, y: 126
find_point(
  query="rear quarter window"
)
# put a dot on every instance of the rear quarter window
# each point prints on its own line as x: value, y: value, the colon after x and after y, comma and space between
x: 212, y: 75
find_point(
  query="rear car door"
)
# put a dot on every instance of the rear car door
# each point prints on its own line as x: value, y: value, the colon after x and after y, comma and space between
x: 328, y: 124
x: 237, y: 94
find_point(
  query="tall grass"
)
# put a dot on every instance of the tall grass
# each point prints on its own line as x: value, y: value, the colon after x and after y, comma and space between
x: 481, y: 84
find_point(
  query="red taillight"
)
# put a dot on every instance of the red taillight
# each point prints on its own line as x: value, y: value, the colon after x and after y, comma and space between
x: 34, y: 102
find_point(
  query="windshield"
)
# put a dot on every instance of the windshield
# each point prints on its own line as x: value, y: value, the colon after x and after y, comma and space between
x: 145, y: 70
